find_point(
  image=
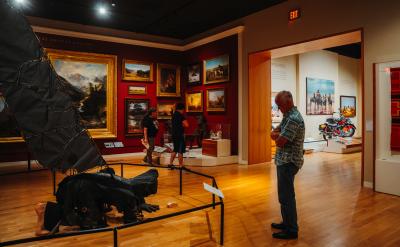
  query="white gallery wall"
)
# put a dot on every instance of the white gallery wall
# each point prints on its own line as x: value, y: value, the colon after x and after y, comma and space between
x: 289, y: 73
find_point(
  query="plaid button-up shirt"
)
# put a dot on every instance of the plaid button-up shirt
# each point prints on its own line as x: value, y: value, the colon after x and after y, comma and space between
x: 293, y: 129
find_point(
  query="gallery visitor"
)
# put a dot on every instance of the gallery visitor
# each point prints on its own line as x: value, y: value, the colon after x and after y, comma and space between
x: 150, y: 128
x: 179, y: 123
x: 289, y: 138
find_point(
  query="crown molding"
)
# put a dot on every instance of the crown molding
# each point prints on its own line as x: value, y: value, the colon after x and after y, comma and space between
x: 203, y: 41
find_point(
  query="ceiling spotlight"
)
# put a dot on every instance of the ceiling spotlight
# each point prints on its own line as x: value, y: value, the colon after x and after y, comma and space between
x: 102, y: 10
x: 19, y: 2
x: 113, y: 3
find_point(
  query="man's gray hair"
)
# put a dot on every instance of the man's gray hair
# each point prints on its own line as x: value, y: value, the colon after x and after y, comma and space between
x: 285, y: 96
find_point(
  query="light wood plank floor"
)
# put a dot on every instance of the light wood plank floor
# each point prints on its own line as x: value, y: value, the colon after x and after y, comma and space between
x: 333, y: 209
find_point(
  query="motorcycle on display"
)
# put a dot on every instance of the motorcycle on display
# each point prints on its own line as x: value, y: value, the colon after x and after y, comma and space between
x: 341, y: 127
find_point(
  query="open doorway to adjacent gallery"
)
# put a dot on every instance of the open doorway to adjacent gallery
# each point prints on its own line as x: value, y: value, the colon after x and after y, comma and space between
x: 326, y: 80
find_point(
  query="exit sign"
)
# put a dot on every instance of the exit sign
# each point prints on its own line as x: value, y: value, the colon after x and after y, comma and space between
x: 294, y: 14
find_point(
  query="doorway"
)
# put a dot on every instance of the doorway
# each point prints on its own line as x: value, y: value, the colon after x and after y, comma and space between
x: 263, y: 68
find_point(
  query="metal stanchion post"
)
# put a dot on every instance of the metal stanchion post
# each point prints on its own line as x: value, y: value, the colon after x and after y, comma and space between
x: 115, y: 231
x: 180, y: 180
x: 54, y: 181
x: 221, y: 237
x: 122, y: 170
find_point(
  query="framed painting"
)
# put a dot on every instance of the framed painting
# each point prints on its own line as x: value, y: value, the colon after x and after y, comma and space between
x: 168, y: 80
x: 95, y: 75
x: 9, y: 131
x: 135, y: 110
x: 320, y: 96
x: 193, y: 74
x: 348, y: 106
x: 165, y: 110
x: 194, y: 101
x: 139, y: 90
x: 216, y: 100
x: 216, y: 69
x: 137, y: 70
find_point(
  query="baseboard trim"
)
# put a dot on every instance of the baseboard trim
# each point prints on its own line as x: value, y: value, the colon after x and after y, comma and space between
x: 368, y: 184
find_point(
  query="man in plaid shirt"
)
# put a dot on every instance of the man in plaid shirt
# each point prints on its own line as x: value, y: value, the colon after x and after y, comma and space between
x: 289, y: 138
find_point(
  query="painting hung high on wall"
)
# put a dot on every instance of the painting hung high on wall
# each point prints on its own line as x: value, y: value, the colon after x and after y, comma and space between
x: 194, y: 102
x: 9, y: 131
x: 320, y: 96
x: 216, y: 69
x: 165, y: 110
x: 348, y: 106
x: 137, y: 71
x: 168, y: 80
x: 94, y: 74
x: 216, y: 100
x: 193, y: 73
x: 135, y: 110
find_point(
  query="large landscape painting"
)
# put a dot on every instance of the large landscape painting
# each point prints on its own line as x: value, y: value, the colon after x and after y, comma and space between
x: 94, y: 74
x: 137, y: 71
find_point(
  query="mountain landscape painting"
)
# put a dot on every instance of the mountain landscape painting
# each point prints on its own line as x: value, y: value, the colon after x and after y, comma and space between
x: 91, y: 78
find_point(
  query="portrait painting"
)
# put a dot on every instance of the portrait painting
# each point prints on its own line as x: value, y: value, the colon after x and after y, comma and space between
x: 139, y: 90
x: 194, y: 102
x: 135, y: 110
x: 168, y: 80
x: 320, y: 96
x: 165, y: 110
x: 216, y: 99
x: 9, y: 131
x: 216, y: 69
x: 348, y: 106
x: 193, y: 73
x: 94, y: 75
x: 137, y: 71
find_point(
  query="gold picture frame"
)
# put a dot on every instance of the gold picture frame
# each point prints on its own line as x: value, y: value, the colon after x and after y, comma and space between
x: 216, y: 100
x: 137, y: 90
x: 8, y: 127
x: 146, y: 69
x: 168, y: 80
x: 93, y: 70
x: 194, y: 101
x: 165, y: 110
x: 216, y: 70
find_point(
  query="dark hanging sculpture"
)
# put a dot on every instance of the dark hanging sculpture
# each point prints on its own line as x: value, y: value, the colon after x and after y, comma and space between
x: 42, y: 102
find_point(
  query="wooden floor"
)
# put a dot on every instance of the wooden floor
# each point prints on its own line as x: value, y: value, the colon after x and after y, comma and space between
x: 333, y: 209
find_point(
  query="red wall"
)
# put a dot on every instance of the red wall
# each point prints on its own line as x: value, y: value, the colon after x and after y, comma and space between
x: 230, y: 116
x: 12, y: 152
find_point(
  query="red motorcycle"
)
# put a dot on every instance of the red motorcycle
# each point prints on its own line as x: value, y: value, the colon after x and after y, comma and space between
x: 342, y: 127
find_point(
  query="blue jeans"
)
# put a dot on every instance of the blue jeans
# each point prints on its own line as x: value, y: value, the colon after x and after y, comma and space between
x: 286, y: 194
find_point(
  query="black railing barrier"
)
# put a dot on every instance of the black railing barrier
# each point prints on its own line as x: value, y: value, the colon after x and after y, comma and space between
x: 147, y: 220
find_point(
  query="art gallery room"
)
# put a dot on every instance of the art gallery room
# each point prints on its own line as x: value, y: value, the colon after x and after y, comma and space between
x: 199, y: 123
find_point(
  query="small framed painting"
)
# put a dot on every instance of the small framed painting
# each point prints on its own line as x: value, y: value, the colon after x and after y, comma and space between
x: 140, y: 90
x: 348, y: 106
x: 194, y: 102
x: 137, y: 71
x: 216, y: 100
x: 193, y: 73
x: 165, y: 110
x: 135, y: 110
x: 168, y: 80
x: 216, y: 69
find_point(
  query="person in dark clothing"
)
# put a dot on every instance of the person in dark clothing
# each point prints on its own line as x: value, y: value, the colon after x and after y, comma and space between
x: 150, y: 127
x: 289, y: 138
x: 179, y: 123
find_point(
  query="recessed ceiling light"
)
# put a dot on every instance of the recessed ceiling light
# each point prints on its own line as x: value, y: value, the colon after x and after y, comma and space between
x: 113, y: 3
x: 102, y: 10
x: 19, y: 2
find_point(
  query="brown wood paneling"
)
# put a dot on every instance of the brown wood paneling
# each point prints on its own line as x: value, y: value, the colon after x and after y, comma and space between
x: 259, y: 108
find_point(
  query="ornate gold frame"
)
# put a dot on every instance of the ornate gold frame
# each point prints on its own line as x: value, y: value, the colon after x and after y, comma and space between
x: 209, y: 109
x: 178, y: 80
x: 111, y: 130
x: 128, y: 78
x: 205, y: 70
x: 202, y: 101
